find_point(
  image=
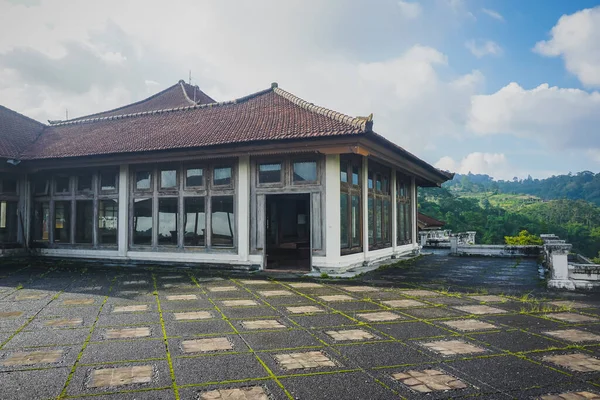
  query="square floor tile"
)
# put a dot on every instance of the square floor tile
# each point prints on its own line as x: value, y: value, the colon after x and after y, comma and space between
x: 469, y: 325
x: 576, y: 362
x: 571, y: 317
x: 453, y: 347
x: 480, y: 309
x: 304, y: 360
x: 262, y: 324
x: 429, y: 380
x: 574, y: 335
x: 350, y: 335
x: 206, y: 345
x: 379, y: 316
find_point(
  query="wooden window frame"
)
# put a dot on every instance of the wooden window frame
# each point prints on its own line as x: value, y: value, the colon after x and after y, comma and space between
x: 207, y: 191
x: 382, y: 195
x: 94, y: 195
x: 351, y: 190
x: 403, y: 197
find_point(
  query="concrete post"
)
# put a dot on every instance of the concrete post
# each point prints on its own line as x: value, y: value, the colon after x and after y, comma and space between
x: 243, y: 208
x: 332, y: 209
x: 454, y: 244
x: 558, y: 263
x: 123, y: 219
x: 423, y: 238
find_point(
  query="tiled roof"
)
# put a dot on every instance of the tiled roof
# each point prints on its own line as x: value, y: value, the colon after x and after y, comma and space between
x: 272, y: 114
x: 425, y: 221
x: 17, y: 132
x: 179, y: 95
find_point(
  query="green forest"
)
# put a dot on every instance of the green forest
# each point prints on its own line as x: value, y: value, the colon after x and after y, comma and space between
x: 566, y: 205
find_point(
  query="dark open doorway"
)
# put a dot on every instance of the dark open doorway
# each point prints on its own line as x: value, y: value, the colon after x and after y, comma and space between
x: 288, y: 231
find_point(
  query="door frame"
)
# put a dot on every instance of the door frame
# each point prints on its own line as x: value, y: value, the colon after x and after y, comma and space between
x: 308, y: 195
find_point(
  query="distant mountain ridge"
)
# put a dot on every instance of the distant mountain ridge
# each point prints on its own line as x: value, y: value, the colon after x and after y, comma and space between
x: 584, y: 185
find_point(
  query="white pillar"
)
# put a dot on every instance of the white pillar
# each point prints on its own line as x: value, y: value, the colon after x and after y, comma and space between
x: 559, y: 265
x: 332, y: 209
x: 365, y: 205
x: 243, y: 208
x: 413, y: 202
x: 393, y: 204
x: 123, y: 222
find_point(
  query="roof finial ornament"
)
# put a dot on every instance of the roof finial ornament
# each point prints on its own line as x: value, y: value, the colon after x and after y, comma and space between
x: 66, y: 114
x: 274, y: 85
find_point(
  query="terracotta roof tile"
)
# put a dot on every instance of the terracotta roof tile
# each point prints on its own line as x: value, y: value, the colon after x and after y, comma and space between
x: 272, y: 114
x: 179, y: 95
x: 429, y: 222
x: 17, y: 132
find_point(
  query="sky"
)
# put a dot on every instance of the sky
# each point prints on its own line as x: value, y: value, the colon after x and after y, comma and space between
x: 508, y: 88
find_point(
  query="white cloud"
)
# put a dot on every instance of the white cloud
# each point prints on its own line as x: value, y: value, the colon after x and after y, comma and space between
x: 95, y: 59
x: 410, y: 10
x: 494, y: 14
x: 576, y: 38
x: 481, y: 48
x: 558, y: 118
x: 493, y: 164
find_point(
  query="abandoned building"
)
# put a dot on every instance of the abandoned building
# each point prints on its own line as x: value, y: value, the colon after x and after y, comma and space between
x: 264, y: 181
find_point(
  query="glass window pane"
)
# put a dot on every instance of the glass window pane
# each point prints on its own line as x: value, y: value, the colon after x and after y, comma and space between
x: 378, y: 228
x: 40, y: 186
x: 108, y: 216
x: 194, y: 177
x: 269, y: 173
x: 84, y: 183
x: 9, y: 186
x: 378, y: 183
x: 400, y: 222
x: 355, y: 175
x: 62, y: 222
x: 8, y: 221
x: 343, y: 171
x: 84, y: 221
x: 222, y: 176
x: 142, y: 221
x: 305, y: 171
x: 168, y: 210
x: 168, y: 179
x: 344, y: 220
x: 108, y: 180
x: 195, y: 221
x: 355, y: 221
x: 371, y: 209
x: 142, y: 180
x: 370, y: 177
x: 223, y: 221
x: 61, y: 184
x: 41, y: 221
x: 386, y: 221
x: 408, y: 222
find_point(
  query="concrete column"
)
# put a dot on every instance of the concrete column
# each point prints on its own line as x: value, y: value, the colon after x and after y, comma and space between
x: 423, y: 238
x: 394, y: 212
x: 365, y: 205
x: 243, y: 208
x: 332, y: 209
x: 453, y: 244
x: 413, y: 201
x: 558, y: 263
x: 123, y: 222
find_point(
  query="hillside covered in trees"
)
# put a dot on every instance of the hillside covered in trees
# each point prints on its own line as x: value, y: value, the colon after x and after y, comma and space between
x: 496, y: 209
x: 583, y: 185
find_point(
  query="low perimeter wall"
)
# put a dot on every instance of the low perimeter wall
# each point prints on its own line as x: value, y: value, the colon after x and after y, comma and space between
x: 490, y: 250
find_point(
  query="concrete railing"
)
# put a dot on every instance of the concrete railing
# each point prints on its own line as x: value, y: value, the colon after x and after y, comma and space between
x: 443, y: 238
x: 580, y: 273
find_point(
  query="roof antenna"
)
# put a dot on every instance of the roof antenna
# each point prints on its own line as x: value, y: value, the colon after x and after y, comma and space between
x: 66, y: 114
x: 190, y: 79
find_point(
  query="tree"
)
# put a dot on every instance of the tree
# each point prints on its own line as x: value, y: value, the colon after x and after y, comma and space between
x: 523, y: 238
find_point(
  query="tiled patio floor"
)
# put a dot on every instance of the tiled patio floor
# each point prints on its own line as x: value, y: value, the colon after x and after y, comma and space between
x: 75, y: 331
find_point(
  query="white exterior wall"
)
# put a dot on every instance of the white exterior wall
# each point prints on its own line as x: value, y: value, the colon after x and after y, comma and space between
x: 368, y: 259
x: 332, y: 261
x: 243, y: 208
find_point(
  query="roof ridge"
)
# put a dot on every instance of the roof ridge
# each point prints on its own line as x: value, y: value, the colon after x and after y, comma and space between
x: 363, y: 123
x: 174, y: 109
x: 23, y: 115
x: 60, y: 122
x: 181, y: 83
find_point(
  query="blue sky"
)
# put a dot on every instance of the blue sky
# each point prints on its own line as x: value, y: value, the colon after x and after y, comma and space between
x: 503, y: 87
